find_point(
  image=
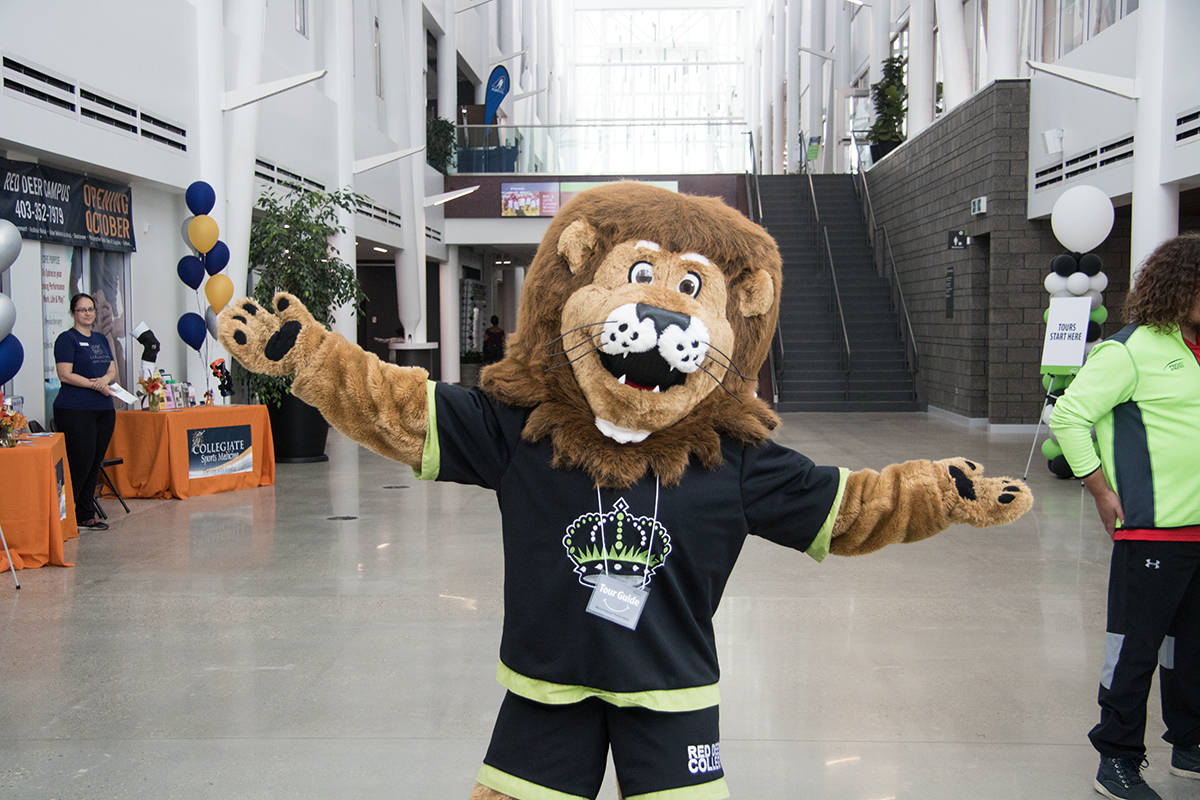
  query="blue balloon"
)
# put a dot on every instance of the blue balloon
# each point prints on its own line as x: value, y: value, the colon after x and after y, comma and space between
x: 11, y: 358
x: 191, y: 271
x: 192, y: 330
x: 200, y: 198
x: 216, y: 259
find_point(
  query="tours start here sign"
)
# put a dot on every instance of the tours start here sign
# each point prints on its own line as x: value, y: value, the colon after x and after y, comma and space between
x: 52, y: 205
x: 1066, y: 335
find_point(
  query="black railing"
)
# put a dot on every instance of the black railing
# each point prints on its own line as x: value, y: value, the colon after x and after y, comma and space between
x: 754, y: 198
x: 821, y: 234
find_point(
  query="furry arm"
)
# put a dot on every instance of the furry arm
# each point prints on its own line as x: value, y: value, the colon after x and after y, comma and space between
x: 912, y: 501
x: 379, y: 405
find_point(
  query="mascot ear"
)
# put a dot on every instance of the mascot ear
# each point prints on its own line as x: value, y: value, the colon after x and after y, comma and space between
x: 756, y: 294
x: 576, y: 242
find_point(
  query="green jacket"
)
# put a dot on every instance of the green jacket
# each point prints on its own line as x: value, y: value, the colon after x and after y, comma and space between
x: 1141, y: 390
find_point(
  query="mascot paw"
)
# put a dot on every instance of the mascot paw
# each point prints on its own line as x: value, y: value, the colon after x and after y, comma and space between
x: 271, y: 344
x: 976, y: 500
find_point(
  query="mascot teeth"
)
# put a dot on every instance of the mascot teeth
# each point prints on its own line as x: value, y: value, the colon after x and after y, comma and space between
x: 650, y: 348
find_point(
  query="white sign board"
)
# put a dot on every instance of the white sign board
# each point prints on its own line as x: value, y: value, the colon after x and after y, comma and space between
x: 1066, y: 334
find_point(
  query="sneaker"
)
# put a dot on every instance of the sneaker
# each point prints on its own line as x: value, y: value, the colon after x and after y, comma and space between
x: 1121, y: 779
x: 94, y: 525
x: 1185, y: 761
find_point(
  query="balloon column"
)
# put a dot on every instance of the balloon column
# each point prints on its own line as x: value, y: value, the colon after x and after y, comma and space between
x: 11, y: 353
x: 1081, y: 219
x: 209, y: 256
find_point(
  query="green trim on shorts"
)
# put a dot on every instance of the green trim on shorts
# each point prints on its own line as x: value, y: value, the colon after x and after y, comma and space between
x: 713, y: 790
x: 431, y: 455
x: 520, y: 788
x: 692, y: 698
x: 820, y: 546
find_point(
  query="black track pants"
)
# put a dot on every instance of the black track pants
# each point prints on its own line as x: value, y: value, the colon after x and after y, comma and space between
x: 87, y: 434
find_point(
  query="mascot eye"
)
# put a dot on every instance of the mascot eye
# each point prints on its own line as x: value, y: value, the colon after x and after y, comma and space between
x: 690, y: 284
x: 641, y: 272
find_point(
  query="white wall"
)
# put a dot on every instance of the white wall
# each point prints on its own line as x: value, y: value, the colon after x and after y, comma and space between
x: 1181, y: 162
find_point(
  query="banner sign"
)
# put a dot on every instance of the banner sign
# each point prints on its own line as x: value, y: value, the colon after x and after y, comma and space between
x: 51, y: 205
x: 219, y: 451
x: 1066, y: 334
x: 544, y: 199
x: 497, y: 88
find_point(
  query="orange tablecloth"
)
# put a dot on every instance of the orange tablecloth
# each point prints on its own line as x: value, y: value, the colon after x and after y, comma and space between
x: 157, y: 448
x: 36, y: 514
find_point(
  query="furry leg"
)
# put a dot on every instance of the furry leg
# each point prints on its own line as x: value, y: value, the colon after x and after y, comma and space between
x: 481, y: 792
x: 912, y: 501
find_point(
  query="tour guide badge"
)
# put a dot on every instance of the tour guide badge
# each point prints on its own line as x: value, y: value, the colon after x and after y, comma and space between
x: 617, y: 554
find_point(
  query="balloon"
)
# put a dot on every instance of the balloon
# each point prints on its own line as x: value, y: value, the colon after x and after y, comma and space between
x: 10, y: 244
x: 11, y: 358
x: 183, y: 231
x: 191, y: 271
x: 1055, y: 283
x: 1059, y: 466
x: 1090, y: 264
x: 1081, y: 218
x: 216, y: 259
x: 191, y: 329
x: 210, y: 322
x: 1097, y: 298
x: 1046, y: 315
x: 1051, y: 449
x: 1099, y: 315
x: 8, y: 315
x: 1093, y: 331
x: 200, y: 198
x: 1078, y: 283
x: 219, y: 291
x: 202, y: 232
x: 1055, y: 383
x: 1062, y: 293
x: 1046, y: 412
x: 1064, y: 264
x: 1099, y: 282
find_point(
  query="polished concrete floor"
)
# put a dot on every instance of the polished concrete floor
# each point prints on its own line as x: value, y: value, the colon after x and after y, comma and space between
x: 252, y: 645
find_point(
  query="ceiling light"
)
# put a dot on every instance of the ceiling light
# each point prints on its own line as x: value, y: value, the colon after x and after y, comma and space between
x: 379, y: 249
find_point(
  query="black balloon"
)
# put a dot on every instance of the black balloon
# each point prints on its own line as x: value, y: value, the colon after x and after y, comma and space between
x: 1090, y: 264
x: 1093, y: 332
x: 1064, y: 264
x: 1059, y: 466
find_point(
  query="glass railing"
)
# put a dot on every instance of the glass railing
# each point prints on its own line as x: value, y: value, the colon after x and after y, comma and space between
x: 602, y: 148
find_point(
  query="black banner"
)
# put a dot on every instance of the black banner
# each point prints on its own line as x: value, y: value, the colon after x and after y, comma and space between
x: 56, y: 206
x: 219, y: 451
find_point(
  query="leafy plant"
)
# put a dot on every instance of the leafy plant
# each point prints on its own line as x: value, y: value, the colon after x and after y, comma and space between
x: 471, y: 357
x: 290, y: 252
x: 439, y: 143
x: 890, y: 98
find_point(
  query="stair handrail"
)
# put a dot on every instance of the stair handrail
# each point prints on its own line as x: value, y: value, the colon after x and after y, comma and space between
x: 756, y: 215
x: 837, y: 299
x: 903, y: 319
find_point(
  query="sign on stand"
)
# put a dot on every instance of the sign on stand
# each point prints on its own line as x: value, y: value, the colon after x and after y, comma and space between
x: 1066, y: 335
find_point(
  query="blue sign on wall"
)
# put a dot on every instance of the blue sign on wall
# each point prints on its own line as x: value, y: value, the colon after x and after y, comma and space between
x: 497, y: 87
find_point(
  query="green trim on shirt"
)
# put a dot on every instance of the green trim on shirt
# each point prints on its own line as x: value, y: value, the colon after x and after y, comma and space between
x: 820, y: 546
x: 713, y: 790
x: 431, y: 455
x: 513, y: 786
x: 692, y: 698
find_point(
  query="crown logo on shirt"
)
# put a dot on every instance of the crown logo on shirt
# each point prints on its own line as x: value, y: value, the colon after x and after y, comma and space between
x: 620, y: 548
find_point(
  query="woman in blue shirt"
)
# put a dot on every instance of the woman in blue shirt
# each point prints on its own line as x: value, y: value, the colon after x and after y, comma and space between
x: 83, y: 410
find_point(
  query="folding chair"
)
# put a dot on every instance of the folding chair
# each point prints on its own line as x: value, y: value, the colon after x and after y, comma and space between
x: 12, y: 568
x: 109, y: 462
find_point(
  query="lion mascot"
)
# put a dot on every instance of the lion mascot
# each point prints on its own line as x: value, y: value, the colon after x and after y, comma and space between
x: 630, y: 457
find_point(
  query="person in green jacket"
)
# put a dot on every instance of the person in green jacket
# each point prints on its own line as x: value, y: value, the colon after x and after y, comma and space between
x: 1140, y: 389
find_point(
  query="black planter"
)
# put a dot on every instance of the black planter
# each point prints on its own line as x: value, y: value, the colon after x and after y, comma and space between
x: 299, y: 432
x: 878, y: 151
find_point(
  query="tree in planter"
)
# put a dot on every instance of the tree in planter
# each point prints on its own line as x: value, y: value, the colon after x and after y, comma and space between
x: 439, y: 144
x: 890, y: 98
x: 290, y: 252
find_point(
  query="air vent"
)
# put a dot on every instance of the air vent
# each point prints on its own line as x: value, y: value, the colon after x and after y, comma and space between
x: 1187, y: 127
x: 378, y: 212
x: 271, y: 173
x: 433, y: 233
x: 1102, y: 155
x: 38, y: 85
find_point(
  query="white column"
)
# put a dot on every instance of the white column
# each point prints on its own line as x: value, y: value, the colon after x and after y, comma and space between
x: 778, y: 73
x: 410, y: 261
x: 881, y: 37
x: 339, y: 88
x: 791, y: 56
x: 449, y: 311
x: 766, y: 135
x: 956, y: 69
x: 921, y: 98
x: 815, y: 72
x: 447, y: 65
x: 835, y: 154
x: 1155, y: 210
x: 1003, y: 39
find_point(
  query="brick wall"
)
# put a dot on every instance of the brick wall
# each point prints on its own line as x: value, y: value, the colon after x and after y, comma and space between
x: 983, y: 359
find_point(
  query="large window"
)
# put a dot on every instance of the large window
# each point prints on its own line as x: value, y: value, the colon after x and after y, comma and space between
x: 1066, y: 24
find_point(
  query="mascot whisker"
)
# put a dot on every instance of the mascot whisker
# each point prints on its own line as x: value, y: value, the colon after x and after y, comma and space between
x: 626, y: 484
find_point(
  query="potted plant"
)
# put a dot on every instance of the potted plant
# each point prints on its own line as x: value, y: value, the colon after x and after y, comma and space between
x: 469, y: 364
x: 290, y: 252
x: 890, y: 98
x: 439, y: 143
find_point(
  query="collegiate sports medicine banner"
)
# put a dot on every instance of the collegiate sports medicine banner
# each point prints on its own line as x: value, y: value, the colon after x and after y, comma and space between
x: 219, y: 451
x: 55, y: 206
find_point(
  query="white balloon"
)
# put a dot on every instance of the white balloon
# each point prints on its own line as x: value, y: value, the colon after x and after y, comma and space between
x: 184, y: 233
x: 10, y: 245
x: 1062, y: 293
x: 1078, y: 283
x: 210, y: 322
x: 1055, y: 283
x: 1097, y: 298
x: 1046, y: 412
x: 1082, y: 218
x: 8, y: 315
x: 1087, y: 347
x: 1099, y: 282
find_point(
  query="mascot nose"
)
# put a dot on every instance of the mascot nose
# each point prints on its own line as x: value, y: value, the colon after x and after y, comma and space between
x: 662, y: 318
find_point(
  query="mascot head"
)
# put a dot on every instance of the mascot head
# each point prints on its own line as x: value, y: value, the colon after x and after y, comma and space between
x: 645, y: 318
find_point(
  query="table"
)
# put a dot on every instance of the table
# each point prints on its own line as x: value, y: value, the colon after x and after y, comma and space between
x: 186, y: 452
x: 37, y: 502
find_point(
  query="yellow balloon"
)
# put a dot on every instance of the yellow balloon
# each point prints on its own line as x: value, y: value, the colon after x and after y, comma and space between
x: 219, y: 291
x: 202, y: 232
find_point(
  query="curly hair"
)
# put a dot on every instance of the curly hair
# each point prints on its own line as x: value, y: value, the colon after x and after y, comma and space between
x: 1167, y: 287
